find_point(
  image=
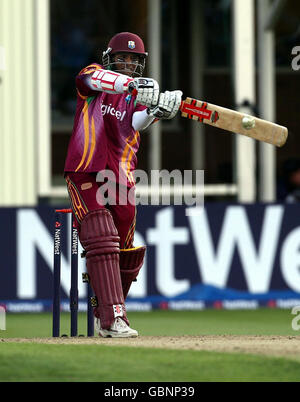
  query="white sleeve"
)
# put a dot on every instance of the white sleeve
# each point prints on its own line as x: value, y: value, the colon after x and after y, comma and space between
x: 109, y: 81
x: 141, y: 120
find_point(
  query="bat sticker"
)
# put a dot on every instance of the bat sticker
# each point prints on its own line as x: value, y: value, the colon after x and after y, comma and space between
x: 201, y: 112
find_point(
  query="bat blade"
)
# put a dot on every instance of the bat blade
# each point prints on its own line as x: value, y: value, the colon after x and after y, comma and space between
x: 233, y: 121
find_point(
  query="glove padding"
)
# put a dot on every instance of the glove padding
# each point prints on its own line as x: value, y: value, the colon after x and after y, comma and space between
x: 168, y: 105
x: 147, y: 91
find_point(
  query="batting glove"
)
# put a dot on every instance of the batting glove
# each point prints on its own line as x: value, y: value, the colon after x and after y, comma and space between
x: 168, y: 105
x: 146, y: 90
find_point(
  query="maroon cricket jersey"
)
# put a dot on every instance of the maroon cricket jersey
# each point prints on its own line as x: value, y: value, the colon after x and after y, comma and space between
x: 103, y: 136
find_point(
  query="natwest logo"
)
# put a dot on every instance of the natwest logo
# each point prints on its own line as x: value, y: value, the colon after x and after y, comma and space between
x: 108, y: 109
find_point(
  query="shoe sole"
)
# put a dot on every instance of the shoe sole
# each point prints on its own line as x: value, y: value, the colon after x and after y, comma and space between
x: 118, y: 335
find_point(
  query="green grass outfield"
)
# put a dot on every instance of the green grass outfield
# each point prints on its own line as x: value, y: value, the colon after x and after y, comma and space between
x: 63, y: 362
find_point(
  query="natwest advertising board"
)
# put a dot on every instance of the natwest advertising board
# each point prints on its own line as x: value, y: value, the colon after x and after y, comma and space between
x: 223, y: 256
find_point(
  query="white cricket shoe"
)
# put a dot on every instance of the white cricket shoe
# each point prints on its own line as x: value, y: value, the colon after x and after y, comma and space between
x: 118, y: 329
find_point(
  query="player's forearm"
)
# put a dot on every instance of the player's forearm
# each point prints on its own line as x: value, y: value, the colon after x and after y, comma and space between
x: 108, y: 81
x: 141, y: 120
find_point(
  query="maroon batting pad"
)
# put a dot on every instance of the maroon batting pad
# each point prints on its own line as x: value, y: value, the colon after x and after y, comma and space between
x: 99, y: 238
x: 131, y: 261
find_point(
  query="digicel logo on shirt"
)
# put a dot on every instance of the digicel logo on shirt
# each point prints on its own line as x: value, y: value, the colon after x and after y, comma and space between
x: 108, y: 109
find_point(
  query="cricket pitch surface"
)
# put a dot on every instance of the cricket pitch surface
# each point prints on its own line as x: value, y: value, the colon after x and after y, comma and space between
x: 273, y: 346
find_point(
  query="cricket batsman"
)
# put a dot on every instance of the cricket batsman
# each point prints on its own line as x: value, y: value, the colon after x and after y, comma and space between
x: 114, y: 103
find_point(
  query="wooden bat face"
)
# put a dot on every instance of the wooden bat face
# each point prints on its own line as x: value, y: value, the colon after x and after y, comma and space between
x: 234, y: 121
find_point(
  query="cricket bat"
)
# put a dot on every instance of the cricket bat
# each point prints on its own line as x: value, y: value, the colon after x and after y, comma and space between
x: 234, y: 121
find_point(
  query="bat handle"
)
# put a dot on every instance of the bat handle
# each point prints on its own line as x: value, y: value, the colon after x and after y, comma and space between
x: 132, y: 92
x: 131, y: 89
